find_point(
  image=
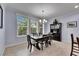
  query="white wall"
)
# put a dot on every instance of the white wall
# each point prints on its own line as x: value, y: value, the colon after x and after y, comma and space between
x: 11, y: 27
x: 65, y: 31
x: 2, y: 34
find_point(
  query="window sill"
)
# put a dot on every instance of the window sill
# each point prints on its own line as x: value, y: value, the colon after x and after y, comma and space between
x: 21, y: 35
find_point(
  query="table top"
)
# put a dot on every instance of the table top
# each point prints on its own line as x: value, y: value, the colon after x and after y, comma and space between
x: 36, y: 37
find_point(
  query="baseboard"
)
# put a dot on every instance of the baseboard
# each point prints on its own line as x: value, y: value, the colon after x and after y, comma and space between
x: 3, y: 52
x: 15, y: 44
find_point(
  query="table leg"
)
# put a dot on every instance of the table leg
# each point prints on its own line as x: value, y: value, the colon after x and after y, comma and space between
x: 37, y: 46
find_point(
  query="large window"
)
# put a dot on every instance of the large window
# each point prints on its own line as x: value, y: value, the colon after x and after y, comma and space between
x: 22, y: 22
x: 33, y: 27
x: 40, y: 28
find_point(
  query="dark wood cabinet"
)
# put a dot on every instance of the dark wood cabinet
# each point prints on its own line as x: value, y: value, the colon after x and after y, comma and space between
x: 55, y: 29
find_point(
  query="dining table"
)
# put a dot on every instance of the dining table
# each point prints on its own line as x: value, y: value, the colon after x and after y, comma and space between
x: 36, y: 39
x: 41, y: 39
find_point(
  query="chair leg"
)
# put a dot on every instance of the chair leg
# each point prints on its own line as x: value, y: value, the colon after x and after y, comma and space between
x: 71, y: 50
x: 71, y: 54
x: 37, y: 46
x: 30, y: 48
x: 49, y: 42
x: 42, y: 46
x: 46, y: 43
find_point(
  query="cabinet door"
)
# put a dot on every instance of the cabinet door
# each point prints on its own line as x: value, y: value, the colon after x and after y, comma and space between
x: 51, y: 27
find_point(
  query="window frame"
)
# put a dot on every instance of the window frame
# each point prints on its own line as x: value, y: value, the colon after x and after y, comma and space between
x: 22, y: 26
x: 33, y: 27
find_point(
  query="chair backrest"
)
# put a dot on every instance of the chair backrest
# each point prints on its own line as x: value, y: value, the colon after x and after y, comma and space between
x: 40, y: 34
x: 44, y: 35
x: 78, y: 41
x: 74, y: 49
x: 28, y: 39
x: 72, y: 38
x: 34, y: 34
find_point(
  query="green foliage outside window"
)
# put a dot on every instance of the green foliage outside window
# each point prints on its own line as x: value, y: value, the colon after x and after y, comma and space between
x: 33, y: 30
x: 33, y: 27
x: 22, y: 30
x: 22, y: 22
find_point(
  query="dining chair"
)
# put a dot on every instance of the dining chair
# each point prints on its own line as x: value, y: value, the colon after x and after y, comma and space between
x: 30, y: 44
x: 78, y: 41
x: 50, y: 38
x: 74, y: 46
x: 47, y: 40
x: 42, y: 42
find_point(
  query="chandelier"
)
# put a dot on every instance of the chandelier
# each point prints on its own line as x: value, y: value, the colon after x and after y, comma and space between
x: 43, y: 20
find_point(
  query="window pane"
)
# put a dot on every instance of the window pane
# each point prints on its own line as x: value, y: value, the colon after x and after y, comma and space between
x: 33, y: 30
x: 22, y: 22
x: 33, y: 27
x: 22, y: 30
x: 40, y: 28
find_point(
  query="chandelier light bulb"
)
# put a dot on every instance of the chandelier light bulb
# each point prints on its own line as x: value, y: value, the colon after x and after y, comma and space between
x: 45, y: 21
x: 40, y: 21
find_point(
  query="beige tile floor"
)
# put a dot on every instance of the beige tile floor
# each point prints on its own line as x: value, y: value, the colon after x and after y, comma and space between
x: 56, y: 49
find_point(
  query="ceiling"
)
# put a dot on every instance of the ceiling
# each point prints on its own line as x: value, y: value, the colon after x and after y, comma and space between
x: 50, y: 9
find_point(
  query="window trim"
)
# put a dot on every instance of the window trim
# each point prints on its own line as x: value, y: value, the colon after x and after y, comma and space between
x: 22, y: 26
x: 33, y: 27
x: 21, y: 35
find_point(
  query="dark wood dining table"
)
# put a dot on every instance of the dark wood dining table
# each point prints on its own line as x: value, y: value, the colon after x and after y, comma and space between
x: 40, y: 39
x: 37, y: 39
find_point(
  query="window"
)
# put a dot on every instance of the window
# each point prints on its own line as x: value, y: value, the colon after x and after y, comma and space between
x: 22, y: 22
x: 40, y: 28
x: 33, y: 27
